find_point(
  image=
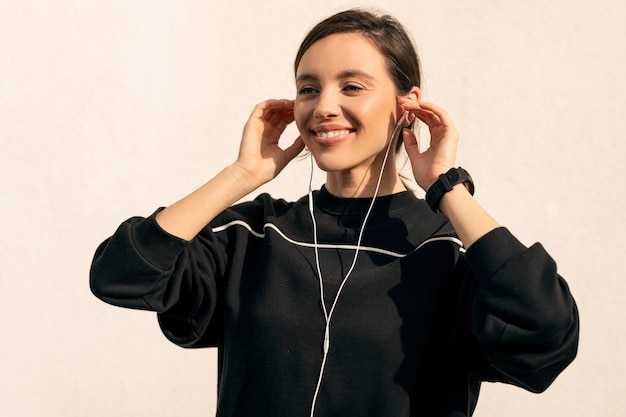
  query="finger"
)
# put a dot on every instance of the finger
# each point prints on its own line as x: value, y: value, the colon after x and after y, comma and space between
x: 427, y: 116
x: 410, y: 106
x: 437, y: 113
x: 260, y: 109
x: 406, y: 103
x: 276, y: 115
x: 264, y: 107
x: 282, y: 119
x: 279, y: 106
x: 410, y: 143
x: 294, y: 149
x: 273, y: 117
x: 429, y: 113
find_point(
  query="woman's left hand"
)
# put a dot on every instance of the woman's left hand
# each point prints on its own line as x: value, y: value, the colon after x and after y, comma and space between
x: 441, y: 155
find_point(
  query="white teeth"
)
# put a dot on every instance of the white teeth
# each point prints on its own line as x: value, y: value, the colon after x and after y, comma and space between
x: 331, y: 134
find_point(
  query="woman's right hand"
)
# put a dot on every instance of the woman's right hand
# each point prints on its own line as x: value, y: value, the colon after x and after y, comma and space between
x: 260, y: 157
x: 260, y: 160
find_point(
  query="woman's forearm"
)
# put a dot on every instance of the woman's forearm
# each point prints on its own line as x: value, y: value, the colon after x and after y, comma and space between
x: 187, y: 217
x: 469, y: 219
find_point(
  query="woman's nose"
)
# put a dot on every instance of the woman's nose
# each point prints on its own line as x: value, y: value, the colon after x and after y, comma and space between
x: 327, y: 105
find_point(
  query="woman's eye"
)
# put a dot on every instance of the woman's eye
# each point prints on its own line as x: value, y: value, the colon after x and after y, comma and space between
x: 307, y: 91
x: 352, y: 88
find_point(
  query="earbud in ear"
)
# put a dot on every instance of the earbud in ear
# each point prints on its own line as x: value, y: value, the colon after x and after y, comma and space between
x: 408, y: 119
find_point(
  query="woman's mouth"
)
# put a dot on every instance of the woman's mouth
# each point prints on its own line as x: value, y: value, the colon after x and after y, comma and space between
x: 331, y: 137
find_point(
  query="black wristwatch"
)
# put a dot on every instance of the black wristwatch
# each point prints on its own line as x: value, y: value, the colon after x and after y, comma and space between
x: 445, y: 183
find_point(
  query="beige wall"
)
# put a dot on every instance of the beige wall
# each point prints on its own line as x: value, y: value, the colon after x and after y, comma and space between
x: 111, y: 108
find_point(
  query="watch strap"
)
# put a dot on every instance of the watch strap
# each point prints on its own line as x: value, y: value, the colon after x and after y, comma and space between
x: 445, y: 183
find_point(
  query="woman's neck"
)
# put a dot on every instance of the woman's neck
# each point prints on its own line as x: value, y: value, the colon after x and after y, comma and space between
x: 355, y: 184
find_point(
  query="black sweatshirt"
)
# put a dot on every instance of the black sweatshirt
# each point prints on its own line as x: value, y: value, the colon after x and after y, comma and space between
x: 419, y: 324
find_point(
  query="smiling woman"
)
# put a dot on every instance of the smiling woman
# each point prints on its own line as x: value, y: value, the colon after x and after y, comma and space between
x: 345, y: 108
x: 359, y: 298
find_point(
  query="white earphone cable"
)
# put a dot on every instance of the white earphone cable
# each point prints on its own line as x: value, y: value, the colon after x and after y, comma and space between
x: 329, y: 314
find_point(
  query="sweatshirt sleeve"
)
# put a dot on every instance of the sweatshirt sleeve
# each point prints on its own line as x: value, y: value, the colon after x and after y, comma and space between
x: 143, y: 267
x: 523, y: 316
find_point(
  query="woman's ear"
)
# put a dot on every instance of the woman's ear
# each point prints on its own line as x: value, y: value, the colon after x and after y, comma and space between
x: 414, y: 94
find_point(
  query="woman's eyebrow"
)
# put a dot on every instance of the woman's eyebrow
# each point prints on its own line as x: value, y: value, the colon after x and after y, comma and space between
x: 353, y: 73
x: 356, y: 74
x: 306, y: 77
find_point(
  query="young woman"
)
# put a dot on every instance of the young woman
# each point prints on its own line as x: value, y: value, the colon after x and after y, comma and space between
x: 358, y: 299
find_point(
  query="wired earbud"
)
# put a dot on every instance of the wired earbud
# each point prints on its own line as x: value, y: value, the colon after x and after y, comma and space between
x: 409, y: 119
x: 328, y: 314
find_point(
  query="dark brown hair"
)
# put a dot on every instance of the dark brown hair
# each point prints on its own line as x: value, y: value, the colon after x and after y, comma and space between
x: 384, y: 31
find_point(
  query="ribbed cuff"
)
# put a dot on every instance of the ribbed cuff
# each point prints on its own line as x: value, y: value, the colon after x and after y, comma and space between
x: 156, y: 245
x: 492, y: 251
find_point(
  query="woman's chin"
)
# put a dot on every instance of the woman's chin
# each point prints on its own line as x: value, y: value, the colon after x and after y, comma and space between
x: 329, y: 165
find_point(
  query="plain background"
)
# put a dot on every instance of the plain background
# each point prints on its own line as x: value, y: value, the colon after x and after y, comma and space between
x: 112, y: 108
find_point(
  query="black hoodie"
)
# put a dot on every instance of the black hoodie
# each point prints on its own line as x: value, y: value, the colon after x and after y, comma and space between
x: 417, y: 327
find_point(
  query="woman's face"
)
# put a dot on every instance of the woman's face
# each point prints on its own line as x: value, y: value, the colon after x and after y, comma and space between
x: 346, y: 105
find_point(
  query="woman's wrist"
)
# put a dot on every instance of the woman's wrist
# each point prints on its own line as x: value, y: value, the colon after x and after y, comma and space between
x: 444, y: 184
x: 457, y: 195
x: 244, y: 180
